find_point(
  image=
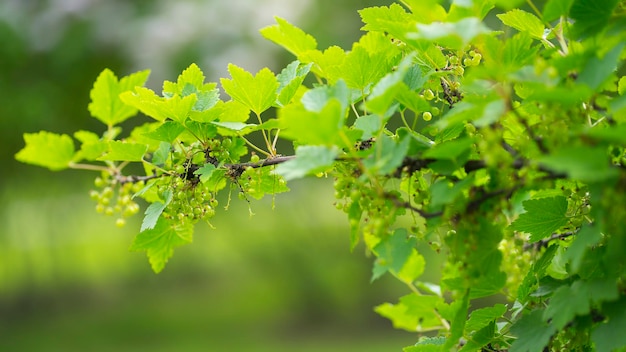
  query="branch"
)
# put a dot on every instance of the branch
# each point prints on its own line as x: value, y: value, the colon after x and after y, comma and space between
x: 544, y: 242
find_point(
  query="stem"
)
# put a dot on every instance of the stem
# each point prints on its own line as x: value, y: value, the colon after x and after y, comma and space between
x: 267, y: 140
x: 255, y: 147
x: 88, y: 167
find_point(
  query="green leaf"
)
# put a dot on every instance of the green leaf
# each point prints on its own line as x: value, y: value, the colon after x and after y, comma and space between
x: 393, y: 20
x: 317, y: 98
x: 154, y: 211
x: 309, y: 160
x: 191, y: 81
x: 532, y: 333
x: 160, y: 241
x: 166, y: 132
x: 393, y: 253
x: 205, y: 172
x: 621, y: 85
x: 370, y: 125
x: 543, y: 217
x: 609, y: 336
x: 427, y: 344
x: 482, y: 317
x: 147, y: 102
x: 369, y: 60
x: 454, y: 35
x: 597, y: 70
x: 289, y: 37
x: 312, y: 128
x: 327, y: 64
x: 554, y: 9
x: 387, y: 155
x: 413, y: 313
x: 480, y: 338
x: 536, y: 273
x: 105, y: 104
x: 412, y: 269
x: 91, y: 146
x: 591, y: 16
x: 457, y: 325
x: 587, y: 237
x: 570, y: 301
x: 290, y: 79
x: 524, y: 22
x: 588, y: 164
x: 46, y: 149
x: 258, y: 93
x: 123, y: 151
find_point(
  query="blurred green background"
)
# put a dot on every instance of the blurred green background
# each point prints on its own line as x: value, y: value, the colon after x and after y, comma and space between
x: 282, y: 280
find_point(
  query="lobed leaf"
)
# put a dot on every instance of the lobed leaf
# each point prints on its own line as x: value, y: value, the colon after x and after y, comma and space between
x: 289, y: 37
x: 159, y: 242
x: 309, y: 160
x: 257, y: 93
x: 543, y: 217
x: 47, y: 149
x: 106, y: 104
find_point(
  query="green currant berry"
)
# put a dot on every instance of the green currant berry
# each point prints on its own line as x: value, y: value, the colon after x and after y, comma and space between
x: 120, y: 222
x: 427, y: 116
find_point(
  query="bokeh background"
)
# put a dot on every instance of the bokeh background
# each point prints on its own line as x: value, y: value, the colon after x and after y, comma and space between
x: 282, y: 280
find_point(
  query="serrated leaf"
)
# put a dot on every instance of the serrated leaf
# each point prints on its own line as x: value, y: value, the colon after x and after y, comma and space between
x: 290, y: 79
x: 290, y: 37
x: 312, y: 128
x: 160, y: 241
x: 91, y: 146
x: 317, y: 98
x: 454, y: 35
x: 587, y: 236
x: 147, y: 102
x: 524, y: 22
x: 309, y: 159
x: 393, y: 20
x: 412, y: 269
x: 413, y: 312
x: 205, y: 172
x: 327, y: 64
x: 589, y: 164
x: 554, y: 9
x: 621, y: 85
x: 191, y: 80
x: 159, y: 157
x: 370, y: 125
x: 532, y: 333
x: 154, y: 211
x: 591, y: 16
x: 46, y: 149
x: 387, y: 155
x: 542, y: 218
x: 537, y: 272
x: 166, y: 132
x: 483, y: 316
x: 609, y: 336
x: 597, y: 70
x: 427, y: 344
x: 105, y: 103
x: 257, y: 93
x: 392, y: 253
x: 570, y: 301
x: 123, y: 151
x: 368, y: 61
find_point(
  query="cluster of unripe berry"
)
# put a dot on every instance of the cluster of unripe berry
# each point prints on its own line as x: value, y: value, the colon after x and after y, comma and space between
x: 113, y: 198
